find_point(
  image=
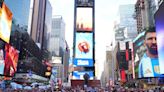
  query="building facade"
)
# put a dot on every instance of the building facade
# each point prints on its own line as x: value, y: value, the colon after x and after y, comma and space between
x: 57, y: 38
x: 126, y: 13
x: 84, y: 39
x: 27, y: 30
x: 144, y: 13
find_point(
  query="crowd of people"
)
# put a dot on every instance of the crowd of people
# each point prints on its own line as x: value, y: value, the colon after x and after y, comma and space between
x: 110, y: 89
x: 40, y: 87
x: 83, y: 89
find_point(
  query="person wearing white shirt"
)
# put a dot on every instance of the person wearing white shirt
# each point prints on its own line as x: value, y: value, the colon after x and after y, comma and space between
x: 149, y: 64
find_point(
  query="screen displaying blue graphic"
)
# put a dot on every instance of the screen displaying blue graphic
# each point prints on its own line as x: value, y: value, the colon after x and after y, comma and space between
x: 149, y: 67
x: 84, y: 45
x: 83, y: 62
x: 80, y: 74
x: 159, y: 23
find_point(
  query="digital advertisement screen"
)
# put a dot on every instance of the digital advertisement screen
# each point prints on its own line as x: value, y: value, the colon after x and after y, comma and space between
x: 146, y: 66
x: 83, y: 62
x: 11, y: 60
x: 84, y: 20
x: 121, y: 58
x: 84, y: 46
x: 54, y: 73
x: 2, y: 63
x: 80, y: 74
x: 84, y: 3
x: 5, y: 23
x: 159, y: 23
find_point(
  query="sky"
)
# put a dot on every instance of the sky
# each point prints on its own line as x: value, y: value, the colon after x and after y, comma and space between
x: 106, y: 12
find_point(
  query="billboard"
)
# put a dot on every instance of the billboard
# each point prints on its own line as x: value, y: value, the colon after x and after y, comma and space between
x: 56, y: 60
x: 80, y: 74
x: 84, y: 19
x: 84, y: 45
x: 11, y: 60
x: 159, y: 23
x: 121, y: 58
x: 146, y: 59
x: 5, y: 23
x: 2, y: 63
x: 84, y: 3
x: 83, y: 62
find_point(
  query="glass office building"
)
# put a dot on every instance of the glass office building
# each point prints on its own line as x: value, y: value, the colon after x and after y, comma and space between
x: 22, y: 12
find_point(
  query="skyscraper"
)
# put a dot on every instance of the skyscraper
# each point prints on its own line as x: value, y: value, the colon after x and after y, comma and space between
x: 127, y: 20
x: 31, y: 26
x: 21, y: 10
x: 84, y: 38
x: 57, y: 39
x: 34, y: 16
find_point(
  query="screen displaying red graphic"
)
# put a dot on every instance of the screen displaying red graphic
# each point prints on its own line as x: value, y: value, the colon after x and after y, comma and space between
x: 83, y: 47
x: 123, y: 75
x: 11, y: 60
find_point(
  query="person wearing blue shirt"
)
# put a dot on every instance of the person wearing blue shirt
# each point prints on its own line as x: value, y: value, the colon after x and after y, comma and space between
x: 149, y: 64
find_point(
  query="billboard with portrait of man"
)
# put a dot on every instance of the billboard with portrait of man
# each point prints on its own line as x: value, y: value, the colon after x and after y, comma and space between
x: 146, y: 59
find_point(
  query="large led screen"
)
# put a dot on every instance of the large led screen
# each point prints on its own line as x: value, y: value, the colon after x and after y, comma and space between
x: 121, y: 58
x: 84, y: 21
x: 2, y: 63
x: 11, y: 60
x: 80, y: 74
x: 83, y: 62
x: 159, y: 23
x: 5, y: 23
x: 84, y: 3
x: 146, y: 60
x: 84, y: 45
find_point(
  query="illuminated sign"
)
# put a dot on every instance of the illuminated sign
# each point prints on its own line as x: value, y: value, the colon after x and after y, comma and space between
x: 84, y: 45
x: 11, y: 60
x: 80, y: 74
x: 145, y: 66
x: 84, y: 21
x: 5, y: 23
x: 2, y: 63
x: 159, y: 23
x: 83, y: 62
x: 56, y: 60
x: 86, y: 3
